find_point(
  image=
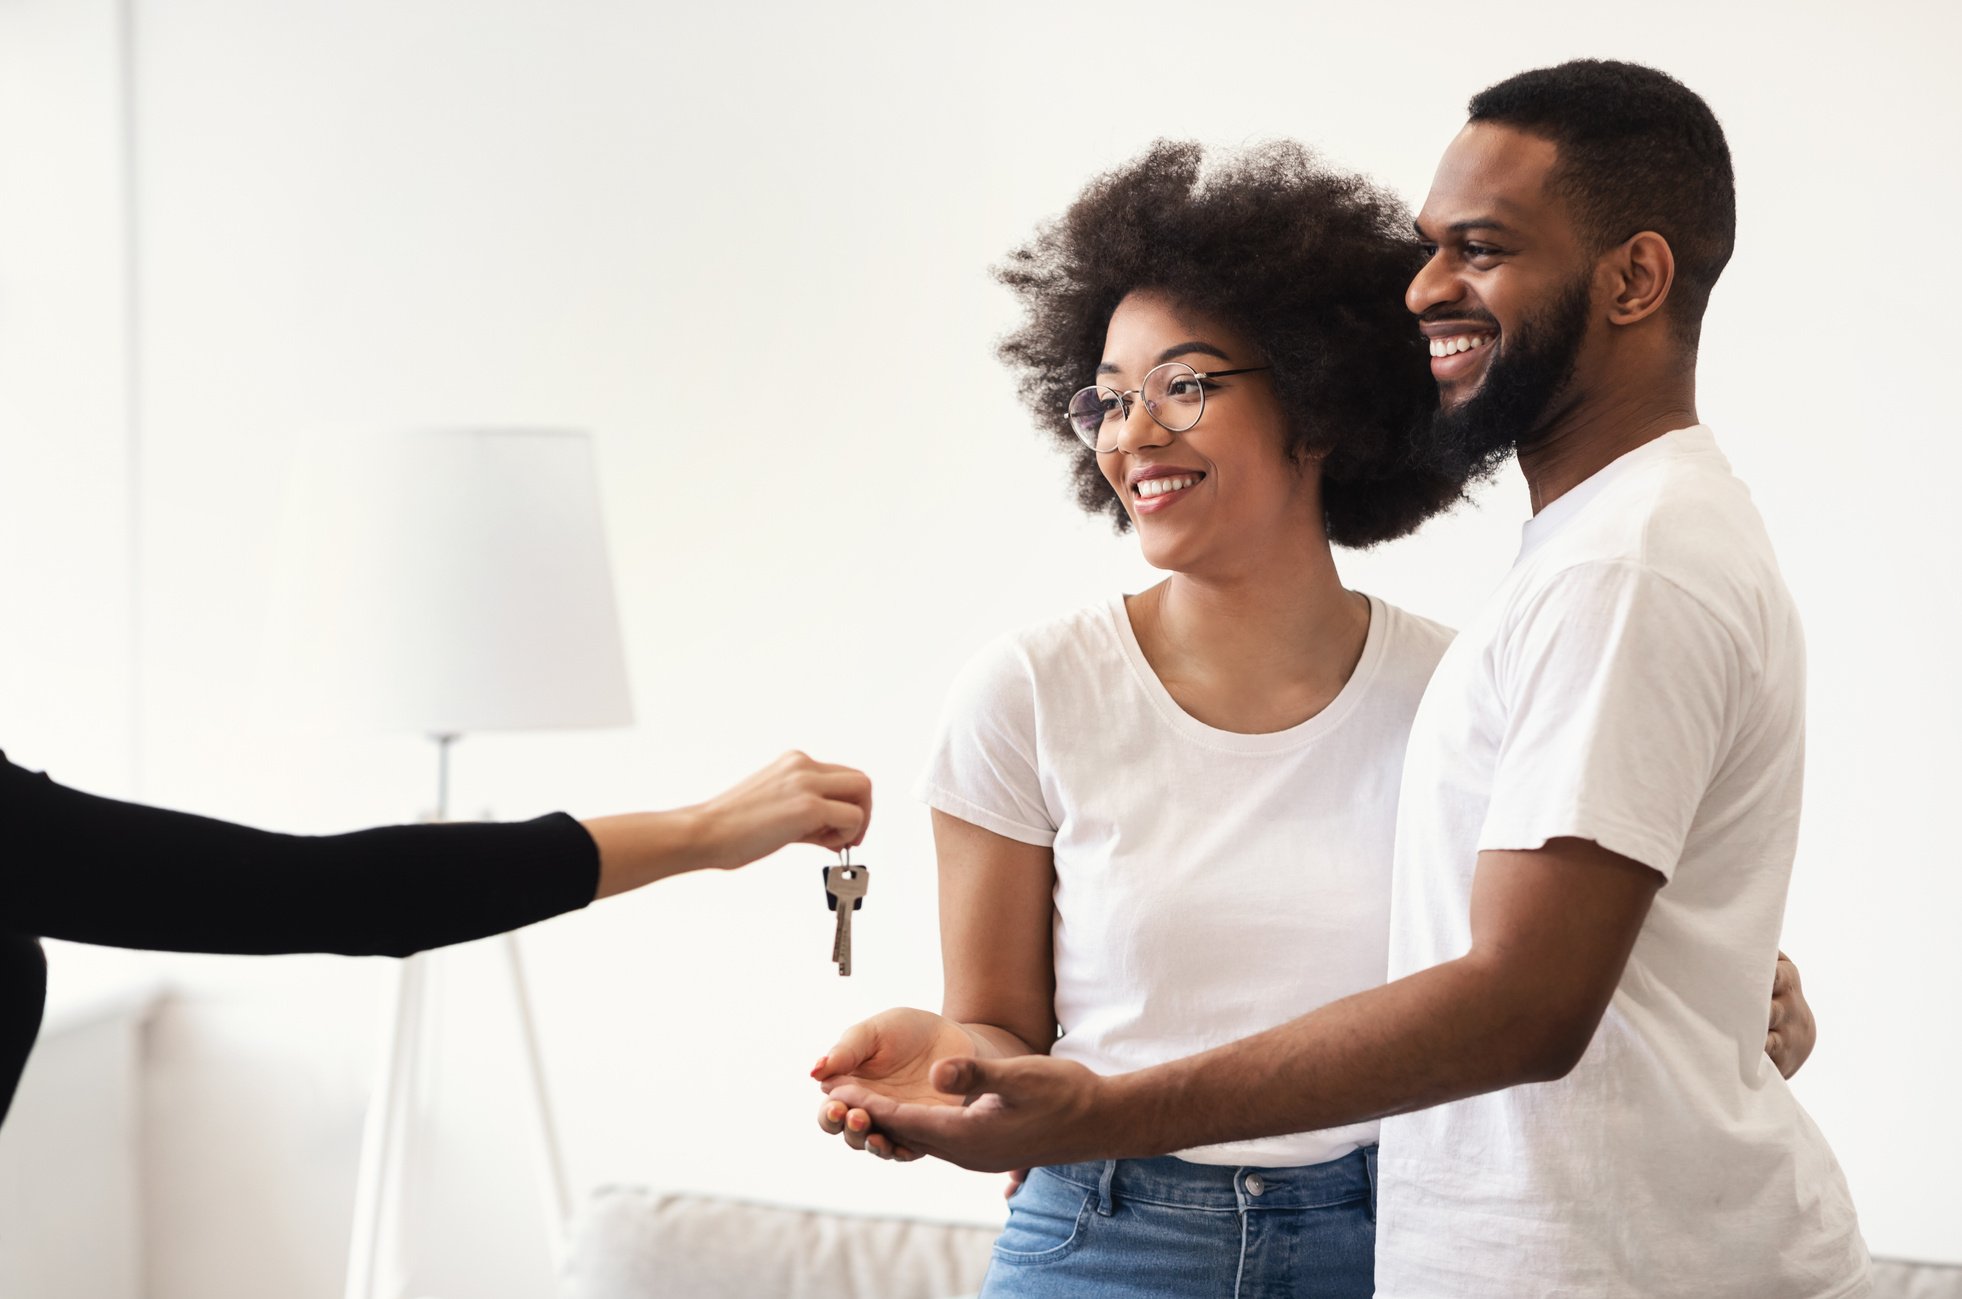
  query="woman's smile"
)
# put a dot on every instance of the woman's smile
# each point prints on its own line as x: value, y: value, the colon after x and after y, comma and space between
x: 1160, y: 487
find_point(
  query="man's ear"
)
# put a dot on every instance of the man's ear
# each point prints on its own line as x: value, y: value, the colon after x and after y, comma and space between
x: 1640, y: 273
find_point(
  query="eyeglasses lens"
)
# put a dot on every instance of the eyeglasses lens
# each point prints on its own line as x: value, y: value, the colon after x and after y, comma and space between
x: 1173, y: 395
x: 1090, y: 409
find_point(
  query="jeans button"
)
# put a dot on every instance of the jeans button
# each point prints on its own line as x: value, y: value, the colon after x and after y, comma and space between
x: 1255, y: 1184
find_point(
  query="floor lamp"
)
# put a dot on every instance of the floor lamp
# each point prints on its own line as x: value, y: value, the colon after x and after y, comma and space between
x: 447, y: 582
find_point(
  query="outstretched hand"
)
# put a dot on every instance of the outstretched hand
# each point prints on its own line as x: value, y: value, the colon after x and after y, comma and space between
x: 998, y: 1116
x: 795, y: 799
x: 890, y: 1055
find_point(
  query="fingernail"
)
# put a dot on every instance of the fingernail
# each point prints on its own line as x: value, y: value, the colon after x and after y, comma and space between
x: 835, y: 1113
x: 859, y: 1124
x: 817, y: 1070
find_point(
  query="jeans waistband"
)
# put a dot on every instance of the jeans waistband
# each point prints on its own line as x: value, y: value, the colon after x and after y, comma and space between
x: 1173, y: 1181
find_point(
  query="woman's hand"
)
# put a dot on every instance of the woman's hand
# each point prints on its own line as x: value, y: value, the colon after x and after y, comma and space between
x: 1004, y: 1114
x: 890, y: 1054
x: 793, y: 800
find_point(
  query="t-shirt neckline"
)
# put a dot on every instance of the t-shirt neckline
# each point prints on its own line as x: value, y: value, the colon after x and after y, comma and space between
x: 1682, y: 441
x: 1294, y: 736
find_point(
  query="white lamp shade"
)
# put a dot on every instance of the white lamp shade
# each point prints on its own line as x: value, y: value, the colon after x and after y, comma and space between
x: 446, y: 581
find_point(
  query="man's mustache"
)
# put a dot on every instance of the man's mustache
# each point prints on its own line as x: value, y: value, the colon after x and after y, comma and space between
x: 1443, y: 318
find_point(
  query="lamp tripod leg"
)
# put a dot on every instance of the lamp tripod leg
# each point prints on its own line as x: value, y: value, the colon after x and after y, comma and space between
x: 545, y: 1137
x: 376, y: 1267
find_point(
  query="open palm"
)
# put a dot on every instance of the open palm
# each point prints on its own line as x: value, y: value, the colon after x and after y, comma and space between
x: 894, y: 1052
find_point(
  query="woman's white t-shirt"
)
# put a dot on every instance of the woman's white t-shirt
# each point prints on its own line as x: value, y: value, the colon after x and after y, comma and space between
x: 1209, y: 884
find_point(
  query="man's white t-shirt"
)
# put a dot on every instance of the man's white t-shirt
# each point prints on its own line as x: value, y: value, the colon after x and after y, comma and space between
x: 1209, y: 884
x: 1637, y: 680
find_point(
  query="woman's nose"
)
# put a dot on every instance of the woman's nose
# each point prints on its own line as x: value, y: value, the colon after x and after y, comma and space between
x: 1137, y: 430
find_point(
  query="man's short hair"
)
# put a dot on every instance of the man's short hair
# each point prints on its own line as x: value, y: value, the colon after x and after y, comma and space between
x: 1638, y: 150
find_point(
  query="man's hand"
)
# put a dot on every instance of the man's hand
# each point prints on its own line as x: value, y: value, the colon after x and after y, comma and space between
x: 891, y: 1056
x: 1792, y: 1032
x: 996, y: 1116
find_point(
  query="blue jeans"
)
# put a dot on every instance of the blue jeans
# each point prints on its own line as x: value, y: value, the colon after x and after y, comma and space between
x: 1146, y: 1228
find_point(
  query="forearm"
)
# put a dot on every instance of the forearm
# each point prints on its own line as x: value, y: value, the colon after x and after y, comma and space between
x: 639, y: 848
x: 95, y: 870
x: 1453, y: 1031
x: 997, y: 909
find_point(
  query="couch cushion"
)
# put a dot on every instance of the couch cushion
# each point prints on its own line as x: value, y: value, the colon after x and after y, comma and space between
x: 631, y: 1243
x: 1894, y: 1279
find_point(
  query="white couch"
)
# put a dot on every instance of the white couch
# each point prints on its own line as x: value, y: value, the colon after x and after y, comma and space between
x: 637, y: 1244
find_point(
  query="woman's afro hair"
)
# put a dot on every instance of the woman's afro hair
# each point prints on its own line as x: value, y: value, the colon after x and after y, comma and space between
x: 1310, y: 263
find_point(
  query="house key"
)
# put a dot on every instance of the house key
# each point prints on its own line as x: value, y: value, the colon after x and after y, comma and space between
x: 844, y: 883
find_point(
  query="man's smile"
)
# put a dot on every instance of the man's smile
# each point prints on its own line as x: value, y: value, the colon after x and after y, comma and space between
x: 1458, y: 348
x: 1456, y: 343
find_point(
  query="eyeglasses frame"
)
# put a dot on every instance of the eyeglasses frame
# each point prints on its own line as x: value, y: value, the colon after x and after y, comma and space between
x: 1124, y: 400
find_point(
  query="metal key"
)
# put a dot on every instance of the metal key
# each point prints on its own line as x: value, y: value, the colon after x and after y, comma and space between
x: 844, y: 883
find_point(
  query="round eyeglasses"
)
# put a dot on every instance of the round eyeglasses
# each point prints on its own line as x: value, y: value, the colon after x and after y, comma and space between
x: 1174, y: 395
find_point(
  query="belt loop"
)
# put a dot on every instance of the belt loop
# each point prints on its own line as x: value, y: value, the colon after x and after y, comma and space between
x: 1106, y: 1204
x: 1369, y: 1164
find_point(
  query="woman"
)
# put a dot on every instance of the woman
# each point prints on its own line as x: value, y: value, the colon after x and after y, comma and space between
x: 93, y: 870
x: 1166, y: 821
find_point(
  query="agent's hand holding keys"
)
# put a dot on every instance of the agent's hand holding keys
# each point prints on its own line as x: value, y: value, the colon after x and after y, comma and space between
x: 795, y: 799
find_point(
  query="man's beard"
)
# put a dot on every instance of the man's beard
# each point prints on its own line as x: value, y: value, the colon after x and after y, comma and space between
x: 1476, y: 436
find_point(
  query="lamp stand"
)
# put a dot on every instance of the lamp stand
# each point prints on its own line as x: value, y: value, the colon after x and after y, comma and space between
x: 392, y: 1161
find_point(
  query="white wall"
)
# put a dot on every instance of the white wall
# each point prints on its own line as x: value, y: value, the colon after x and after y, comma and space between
x: 65, y: 504
x: 749, y: 248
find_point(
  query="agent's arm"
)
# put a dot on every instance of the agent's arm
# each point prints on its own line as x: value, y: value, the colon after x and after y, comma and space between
x: 96, y: 870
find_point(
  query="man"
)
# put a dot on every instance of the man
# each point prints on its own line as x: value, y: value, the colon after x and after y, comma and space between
x: 1600, y: 803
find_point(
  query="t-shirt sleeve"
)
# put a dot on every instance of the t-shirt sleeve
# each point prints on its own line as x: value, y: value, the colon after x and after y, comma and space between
x: 1619, y: 691
x: 983, y: 766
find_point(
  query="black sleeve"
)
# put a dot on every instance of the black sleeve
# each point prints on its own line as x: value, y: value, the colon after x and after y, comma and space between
x: 94, y: 870
x: 23, y: 991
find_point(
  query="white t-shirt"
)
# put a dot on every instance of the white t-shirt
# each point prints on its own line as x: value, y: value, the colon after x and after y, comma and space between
x: 1209, y: 884
x: 1638, y: 680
